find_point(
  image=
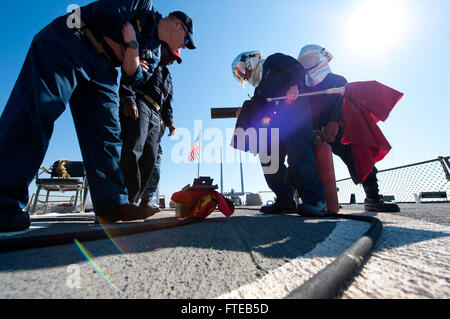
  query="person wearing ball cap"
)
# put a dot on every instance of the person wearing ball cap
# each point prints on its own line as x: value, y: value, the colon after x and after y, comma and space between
x: 188, y: 27
x: 144, y: 109
x: 72, y: 62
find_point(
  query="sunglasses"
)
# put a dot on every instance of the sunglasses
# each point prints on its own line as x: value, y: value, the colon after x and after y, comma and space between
x: 186, y: 39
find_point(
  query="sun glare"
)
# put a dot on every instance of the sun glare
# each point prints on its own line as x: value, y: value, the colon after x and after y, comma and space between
x: 376, y: 26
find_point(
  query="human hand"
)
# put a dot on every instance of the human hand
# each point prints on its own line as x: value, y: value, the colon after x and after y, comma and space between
x: 128, y: 32
x: 172, y: 130
x: 145, y: 65
x: 330, y: 132
x: 131, y: 111
x: 292, y: 94
x: 238, y: 113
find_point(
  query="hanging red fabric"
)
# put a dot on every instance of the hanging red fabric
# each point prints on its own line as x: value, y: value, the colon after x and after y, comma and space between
x: 367, y: 103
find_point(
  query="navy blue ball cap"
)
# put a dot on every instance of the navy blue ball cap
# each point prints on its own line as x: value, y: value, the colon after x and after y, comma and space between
x: 183, y: 17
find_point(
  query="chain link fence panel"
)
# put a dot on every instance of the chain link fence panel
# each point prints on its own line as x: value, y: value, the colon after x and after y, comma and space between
x: 404, y: 183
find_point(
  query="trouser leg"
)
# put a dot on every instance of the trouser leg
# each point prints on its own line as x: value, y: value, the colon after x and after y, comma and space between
x: 133, y: 135
x: 297, y: 134
x: 147, y: 162
x: 26, y: 124
x: 303, y: 170
x: 95, y: 114
x: 154, y: 178
x: 278, y: 182
x: 370, y: 185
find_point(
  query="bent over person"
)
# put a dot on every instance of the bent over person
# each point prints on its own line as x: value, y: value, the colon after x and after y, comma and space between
x: 75, y: 66
x: 281, y: 75
x: 142, y: 109
x: 328, y: 117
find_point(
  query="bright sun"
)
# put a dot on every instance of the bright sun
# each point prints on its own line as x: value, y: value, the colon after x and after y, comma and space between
x: 376, y: 26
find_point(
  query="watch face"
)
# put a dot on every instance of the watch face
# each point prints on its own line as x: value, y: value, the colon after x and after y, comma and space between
x: 133, y: 44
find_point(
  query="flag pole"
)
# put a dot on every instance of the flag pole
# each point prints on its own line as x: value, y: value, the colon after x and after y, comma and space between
x: 242, y: 174
x: 221, y: 171
x: 200, y: 152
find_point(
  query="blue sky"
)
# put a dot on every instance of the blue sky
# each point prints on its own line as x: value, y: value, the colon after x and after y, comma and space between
x: 403, y: 44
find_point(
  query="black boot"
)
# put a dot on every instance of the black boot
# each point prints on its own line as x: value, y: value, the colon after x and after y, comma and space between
x: 374, y: 201
x: 149, y: 210
x: 14, y: 221
x: 279, y: 208
x: 126, y: 213
x: 379, y: 205
x: 318, y: 209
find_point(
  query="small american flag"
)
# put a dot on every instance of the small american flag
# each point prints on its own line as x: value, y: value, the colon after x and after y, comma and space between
x: 195, y: 151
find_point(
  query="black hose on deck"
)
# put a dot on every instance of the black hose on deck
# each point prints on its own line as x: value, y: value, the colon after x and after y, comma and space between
x: 324, y: 285
x: 101, y: 232
x: 327, y: 283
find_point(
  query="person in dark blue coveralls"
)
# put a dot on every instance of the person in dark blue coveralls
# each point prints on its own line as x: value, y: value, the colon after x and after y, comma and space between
x: 72, y: 62
x: 327, y: 116
x: 143, y: 107
x: 281, y: 75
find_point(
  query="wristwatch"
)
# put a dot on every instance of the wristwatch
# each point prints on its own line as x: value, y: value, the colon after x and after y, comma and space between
x: 132, y: 44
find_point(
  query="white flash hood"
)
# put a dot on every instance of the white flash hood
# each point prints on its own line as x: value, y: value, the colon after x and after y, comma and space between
x: 315, y: 60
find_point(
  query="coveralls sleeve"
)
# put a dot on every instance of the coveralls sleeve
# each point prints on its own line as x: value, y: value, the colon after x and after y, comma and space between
x: 294, y: 73
x: 166, y: 109
x: 115, y: 13
x: 138, y: 78
x: 127, y: 95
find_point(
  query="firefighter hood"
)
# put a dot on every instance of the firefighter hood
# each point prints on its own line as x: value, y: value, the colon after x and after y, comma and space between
x: 245, y: 61
x: 315, y: 60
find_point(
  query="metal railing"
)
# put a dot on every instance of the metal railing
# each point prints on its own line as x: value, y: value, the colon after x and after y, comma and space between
x: 51, y: 201
x: 405, y: 183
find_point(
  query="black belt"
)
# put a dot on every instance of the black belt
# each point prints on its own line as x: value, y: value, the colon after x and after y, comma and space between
x: 149, y: 99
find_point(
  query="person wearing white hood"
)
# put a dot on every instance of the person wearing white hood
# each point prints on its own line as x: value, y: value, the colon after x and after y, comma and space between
x: 280, y: 75
x: 327, y: 117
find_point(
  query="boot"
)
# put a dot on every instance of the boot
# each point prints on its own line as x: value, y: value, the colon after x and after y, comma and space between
x: 145, y: 205
x: 374, y: 201
x: 14, y: 221
x: 279, y: 208
x: 377, y: 204
x: 126, y: 213
x: 316, y: 210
